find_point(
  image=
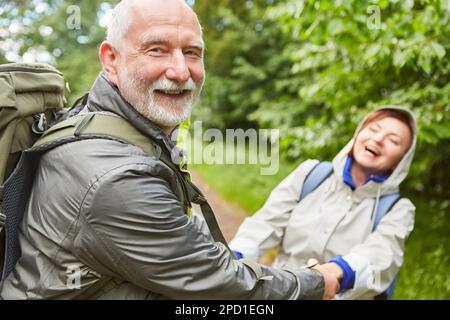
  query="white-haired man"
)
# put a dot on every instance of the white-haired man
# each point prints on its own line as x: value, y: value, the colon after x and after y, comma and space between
x: 114, y: 220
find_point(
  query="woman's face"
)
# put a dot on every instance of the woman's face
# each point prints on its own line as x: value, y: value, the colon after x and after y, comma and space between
x: 381, y: 144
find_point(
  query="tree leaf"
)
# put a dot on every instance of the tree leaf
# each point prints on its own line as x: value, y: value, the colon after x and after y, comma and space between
x: 438, y: 49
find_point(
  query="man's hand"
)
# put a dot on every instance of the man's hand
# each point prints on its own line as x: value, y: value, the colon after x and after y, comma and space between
x: 332, y: 274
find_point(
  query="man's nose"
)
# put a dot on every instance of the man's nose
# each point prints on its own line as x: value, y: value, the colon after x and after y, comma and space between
x: 178, y: 69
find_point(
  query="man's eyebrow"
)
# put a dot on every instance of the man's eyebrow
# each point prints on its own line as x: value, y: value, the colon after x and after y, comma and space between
x: 151, y: 39
x: 197, y: 45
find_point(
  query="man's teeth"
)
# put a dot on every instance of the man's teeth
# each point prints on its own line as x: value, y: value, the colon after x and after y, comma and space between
x: 171, y: 91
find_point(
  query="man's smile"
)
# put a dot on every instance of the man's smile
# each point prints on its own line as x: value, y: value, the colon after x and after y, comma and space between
x: 173, y: 93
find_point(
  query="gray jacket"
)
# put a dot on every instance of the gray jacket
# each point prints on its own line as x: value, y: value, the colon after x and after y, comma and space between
x: 104, y: 221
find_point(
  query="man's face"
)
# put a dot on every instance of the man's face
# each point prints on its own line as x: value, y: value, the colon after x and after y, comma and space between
x: 160, y: 70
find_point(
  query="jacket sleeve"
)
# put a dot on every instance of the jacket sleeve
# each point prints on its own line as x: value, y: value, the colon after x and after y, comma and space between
x: 378, y: 259
x: 265, y: 229
x: 135, y: 230
x: 201, y: 224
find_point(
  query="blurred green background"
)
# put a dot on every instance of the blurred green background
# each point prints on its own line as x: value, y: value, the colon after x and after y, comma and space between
x: 312, y: 69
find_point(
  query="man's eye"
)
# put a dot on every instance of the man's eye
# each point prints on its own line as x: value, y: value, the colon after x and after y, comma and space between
x: 155, y: 50
x: 193, y: 53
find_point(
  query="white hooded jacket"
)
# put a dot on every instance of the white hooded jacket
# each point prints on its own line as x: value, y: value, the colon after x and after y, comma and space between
x: 334, y: 220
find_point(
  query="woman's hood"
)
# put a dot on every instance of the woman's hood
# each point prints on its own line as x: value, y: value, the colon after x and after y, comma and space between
x: 400, y: 172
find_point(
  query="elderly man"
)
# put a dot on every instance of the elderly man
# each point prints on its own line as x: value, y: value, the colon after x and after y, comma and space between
x: 104, y: 219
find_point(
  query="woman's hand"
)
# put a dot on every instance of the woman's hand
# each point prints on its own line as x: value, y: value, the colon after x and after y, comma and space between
x: 332, y: 275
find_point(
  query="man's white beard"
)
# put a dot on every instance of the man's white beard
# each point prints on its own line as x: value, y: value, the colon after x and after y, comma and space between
x: 141, y: 95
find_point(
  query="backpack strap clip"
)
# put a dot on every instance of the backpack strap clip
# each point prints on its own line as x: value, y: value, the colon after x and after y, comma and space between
x: 158, y: 151
x: 39, y: 124
x: 82, y: 124
x: 2, y: 221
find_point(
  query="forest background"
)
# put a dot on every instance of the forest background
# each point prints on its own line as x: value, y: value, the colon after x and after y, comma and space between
x: 311, y: 69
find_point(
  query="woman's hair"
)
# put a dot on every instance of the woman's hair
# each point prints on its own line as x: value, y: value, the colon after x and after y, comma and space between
x: 388, y: 113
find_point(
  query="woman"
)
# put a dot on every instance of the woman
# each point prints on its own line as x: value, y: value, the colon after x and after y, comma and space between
x: 334, y: 223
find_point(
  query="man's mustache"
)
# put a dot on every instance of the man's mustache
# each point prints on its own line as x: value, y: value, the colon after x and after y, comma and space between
x: 169, y: 85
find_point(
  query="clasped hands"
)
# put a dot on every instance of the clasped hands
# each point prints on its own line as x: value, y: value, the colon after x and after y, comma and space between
x: 332, y: 275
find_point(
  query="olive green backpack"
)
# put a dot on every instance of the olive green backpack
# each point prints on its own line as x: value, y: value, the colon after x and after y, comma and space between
x: 32, y: 121
x: 31, y: 95
x: 31, y: 99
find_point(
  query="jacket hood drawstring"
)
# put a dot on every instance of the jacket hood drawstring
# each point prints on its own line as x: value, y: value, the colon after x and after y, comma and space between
x: 375, y: 207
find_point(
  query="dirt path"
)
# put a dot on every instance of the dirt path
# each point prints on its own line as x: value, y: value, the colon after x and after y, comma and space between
x: 229, y: 216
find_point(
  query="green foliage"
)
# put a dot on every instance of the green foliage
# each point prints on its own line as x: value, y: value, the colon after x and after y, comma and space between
x: 51, y: 27
x: 315, y: 68
x: 424, y: 274
x: 312, y: 69
x: 253, y: 188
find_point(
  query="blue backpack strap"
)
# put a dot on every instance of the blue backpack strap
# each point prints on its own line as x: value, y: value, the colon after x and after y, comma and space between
x: 384, y: 206
x: 319, y: 174
x: 316, y: 176
x: 390, y: 290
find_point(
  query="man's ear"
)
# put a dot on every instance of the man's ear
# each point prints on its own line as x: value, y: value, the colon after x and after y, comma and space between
x: 109, y: 57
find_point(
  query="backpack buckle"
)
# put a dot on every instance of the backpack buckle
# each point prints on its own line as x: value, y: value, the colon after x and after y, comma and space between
x: 40, y: 124
x: 2, y: 220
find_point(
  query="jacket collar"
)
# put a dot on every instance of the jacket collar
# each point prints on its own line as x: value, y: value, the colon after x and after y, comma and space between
x: 104, y: 96
x: 348, y: 179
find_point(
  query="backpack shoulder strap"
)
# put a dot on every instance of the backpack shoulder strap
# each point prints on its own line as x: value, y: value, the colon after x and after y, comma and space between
x: 192, y: 194
x: 197, y: 197
x: 315, y: 177
x: 384, y: 205
x: 16, y: 192
x: 98, y: 125
x: 93, y: 126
